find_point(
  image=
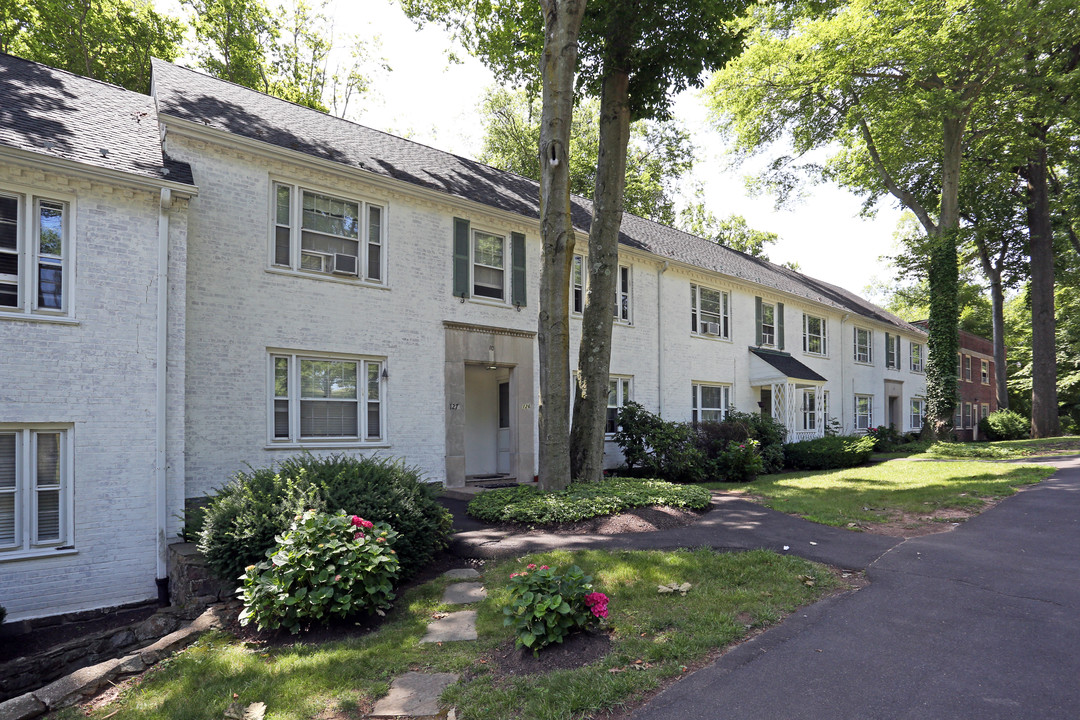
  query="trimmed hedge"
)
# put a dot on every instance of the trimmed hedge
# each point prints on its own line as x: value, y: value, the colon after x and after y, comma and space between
x: 831, y: 451
x: 580, y: 501
x: 243, y: 517
x: 1004, y: 425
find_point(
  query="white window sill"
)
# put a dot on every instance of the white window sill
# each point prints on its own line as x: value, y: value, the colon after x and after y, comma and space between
x: 704, y: 336
x: 327, y: 444
x: 341, y: 279
x: 624, y: 323
x: 823, y: 356
x: 863, y: 362
x: 489, y: 302
x: 36, y: 554
x: 36, y: 318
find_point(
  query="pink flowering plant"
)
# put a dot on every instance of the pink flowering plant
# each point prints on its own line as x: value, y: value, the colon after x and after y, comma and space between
x: 324, y: 566
x: 546, y: 605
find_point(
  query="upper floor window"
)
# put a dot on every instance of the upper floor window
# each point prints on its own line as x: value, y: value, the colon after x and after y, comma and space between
x: 618, y: 395
x: 35, y: 255
x: 489, y: 264
x: 711, y: 402
x: 709, y: 312
x: 814, y: 336
x: 35, y: 482
x: 319, y: 233
x: 622, y: 295
x: 577, y: 285
x: 916, y: 357
x: 892, y: 351
x: 918, y: 409
x: 769, y: 319
x: 967, y: 368
x: 326, y: 399
x: 985, y: 372
x: 864, y: 412
x: 864, y: 350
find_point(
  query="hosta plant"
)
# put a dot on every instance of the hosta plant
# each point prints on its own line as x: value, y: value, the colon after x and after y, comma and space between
x: 546, y: 605
x: 325, y: 566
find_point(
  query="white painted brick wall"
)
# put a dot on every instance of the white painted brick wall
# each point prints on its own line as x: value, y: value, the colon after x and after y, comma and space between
x: 99, y: 376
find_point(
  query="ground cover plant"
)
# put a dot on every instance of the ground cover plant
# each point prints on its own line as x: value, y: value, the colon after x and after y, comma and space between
x: 243, y: 517
x: 880, y: 493
x: 654, y: 636
x: 581, y: 501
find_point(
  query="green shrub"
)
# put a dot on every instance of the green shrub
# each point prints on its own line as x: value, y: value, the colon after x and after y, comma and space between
x: 886, y: 439
x: 768, y: 432
x: 546, y: 606
x: 580, y: 501
x: 1004, y: 425
x: 243, y: 518
x: 740, y: 463
x: 324, y: 566
x: 835, y: 451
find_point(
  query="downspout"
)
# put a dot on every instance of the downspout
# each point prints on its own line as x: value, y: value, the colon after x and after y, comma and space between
x: 161, y: 469
x: 660, y: 339
x: 843, y: 402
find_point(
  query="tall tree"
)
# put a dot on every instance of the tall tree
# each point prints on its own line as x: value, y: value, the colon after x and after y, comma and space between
x: 658, y: 156
x: 732, y: 231
x: 109, y: 40
x: 634, y: 58
x: 232, y: 36
x: 893, y: 84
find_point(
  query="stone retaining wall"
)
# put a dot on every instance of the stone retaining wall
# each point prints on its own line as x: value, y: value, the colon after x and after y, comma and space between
x: 192, y: 587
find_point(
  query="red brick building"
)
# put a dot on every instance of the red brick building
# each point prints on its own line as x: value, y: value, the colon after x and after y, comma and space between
x: 975, y: 375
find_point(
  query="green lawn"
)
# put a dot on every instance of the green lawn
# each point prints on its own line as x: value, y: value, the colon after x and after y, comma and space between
x: 879, y: 493
x: 1001, y: 450
x: 342, y: 679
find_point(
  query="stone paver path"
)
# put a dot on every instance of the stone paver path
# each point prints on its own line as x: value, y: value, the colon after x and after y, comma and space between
x: 416, y: 694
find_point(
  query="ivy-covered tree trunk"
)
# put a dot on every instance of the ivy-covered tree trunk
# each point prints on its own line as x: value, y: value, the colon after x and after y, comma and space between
x: 1044, y: 405
x: 562, y: 21
x: 594, y: 354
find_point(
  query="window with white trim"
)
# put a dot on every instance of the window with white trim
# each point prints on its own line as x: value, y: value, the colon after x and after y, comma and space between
x: 985, y: 372
x: 985, y: 410
x: 489, y: 266
x: 577, y: 285
x: 958, y: 418
x: 967, y: 415
x: 814, y: 338
x: 709, y: 312
x: 768, y: 323
x: 622, y: 295
x: 35, y: 255
x: 918, y: 409
x: 892, y: 351
x: 326, y: 399
x: 864, y: 412
x: 967, y: 368
x: 916, y: 357
x: 319, y: 233
x: 618, y: 395
x: 864, y: 348
x: 710, y: 403
x: 35, y: 490
x: 809, y: 409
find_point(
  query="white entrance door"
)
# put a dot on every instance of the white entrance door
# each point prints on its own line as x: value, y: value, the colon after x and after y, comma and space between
x: 502, y: 441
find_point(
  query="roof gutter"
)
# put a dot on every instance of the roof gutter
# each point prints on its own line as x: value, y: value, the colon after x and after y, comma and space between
x: 41, y: 161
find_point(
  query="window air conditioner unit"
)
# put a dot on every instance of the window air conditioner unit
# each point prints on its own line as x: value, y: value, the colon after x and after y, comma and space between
x: 710, y: 328
x: 319, y: 262
x: 345, y: 264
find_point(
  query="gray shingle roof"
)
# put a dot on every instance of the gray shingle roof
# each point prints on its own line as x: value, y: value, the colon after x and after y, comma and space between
x: 63, y: 115
x: 193, y: 96
x: 787, y: 365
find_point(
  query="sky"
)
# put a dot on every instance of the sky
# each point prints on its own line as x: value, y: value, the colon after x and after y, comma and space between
x: 430, y: 99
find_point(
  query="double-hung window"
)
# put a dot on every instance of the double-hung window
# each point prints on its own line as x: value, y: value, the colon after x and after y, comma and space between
x: 35, y: 490
x: 711, y: 402
x: 326, y: 399
x: 967, y: 368
x: 984, y: 411
x: 809, y: 409
x: 622, y: 295
x: 864, y: 412
x: 892, y: 351
x: 709, y: 312
x: 814, y: 338
x: 958, y: 418
x: 918, y: 409
x: 768, y: 323
x: 618, y: 395
x: 315, y: 232
x: 967, y: 415
x: 864, y: 349
x: 35, y: 255
x: 577, y: 285
x: 489, y: 265
x: 985, y: 372
x: 916, y: 357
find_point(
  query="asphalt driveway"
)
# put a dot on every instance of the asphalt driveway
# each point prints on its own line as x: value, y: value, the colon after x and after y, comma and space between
x: 982, y: 622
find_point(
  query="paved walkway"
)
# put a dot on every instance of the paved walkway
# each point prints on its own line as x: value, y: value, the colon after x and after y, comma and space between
x: 978, y: 623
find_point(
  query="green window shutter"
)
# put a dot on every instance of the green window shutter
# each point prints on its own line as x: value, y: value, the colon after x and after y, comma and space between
x: 518, y: 284
x: 461, y: 258
x: 780, y: 325
x: 757, y: 319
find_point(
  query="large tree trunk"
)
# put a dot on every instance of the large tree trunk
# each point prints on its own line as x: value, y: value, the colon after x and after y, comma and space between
x: 997, y: 310
x: 944, y: 277
x: 594, y: 354
x: 1044, y: 405
x: 562, y: 20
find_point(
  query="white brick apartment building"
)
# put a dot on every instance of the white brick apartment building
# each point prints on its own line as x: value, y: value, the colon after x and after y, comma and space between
x: 334, y: 288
